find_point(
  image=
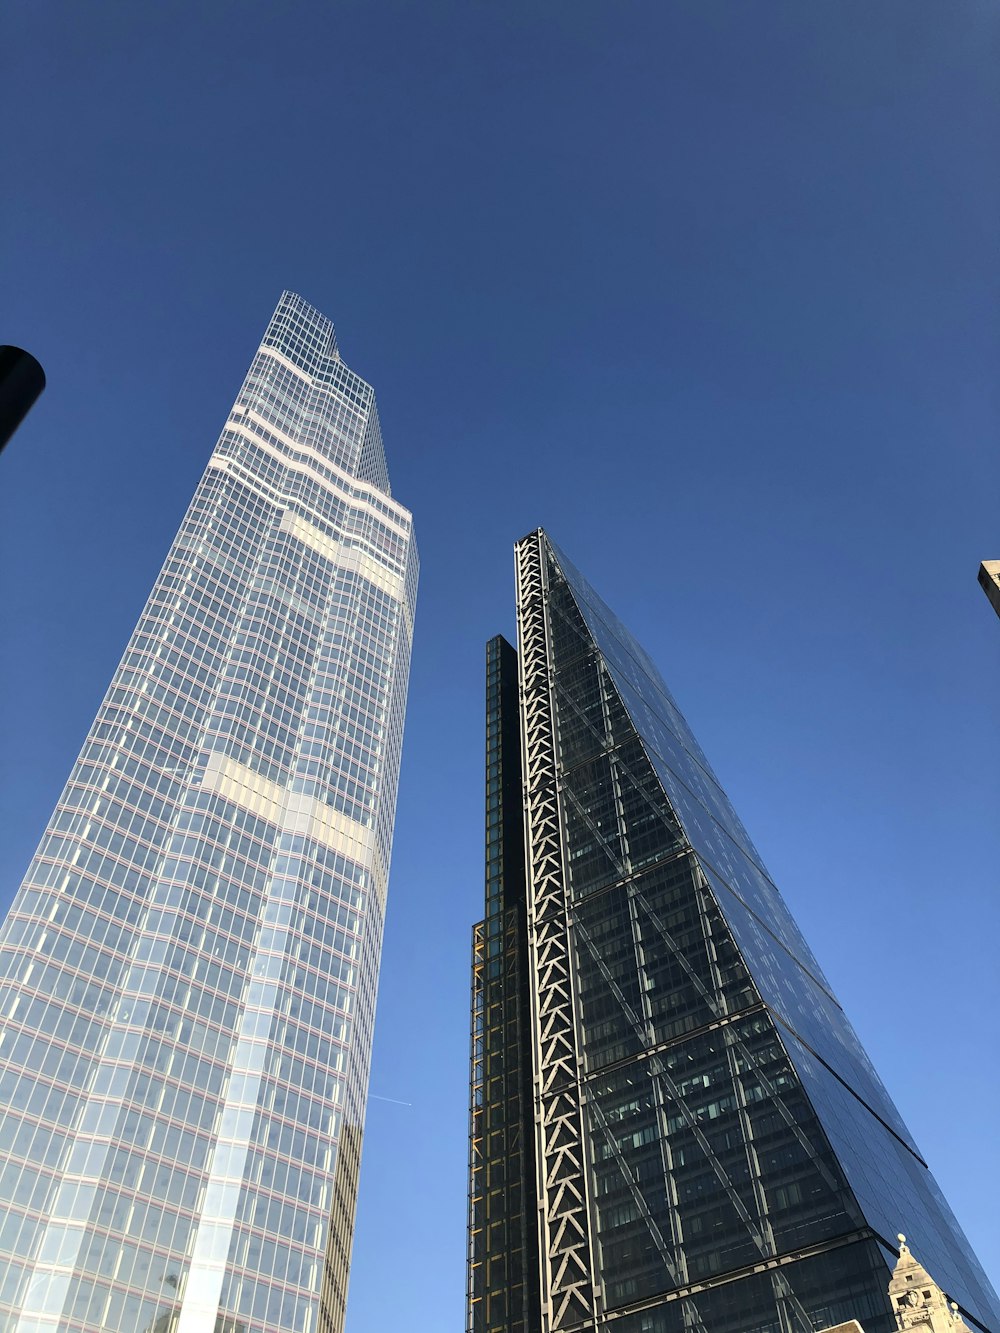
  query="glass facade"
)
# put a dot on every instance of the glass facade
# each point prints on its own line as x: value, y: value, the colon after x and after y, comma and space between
x: 503, y: 1259
x: 712, y: 1147
x: 188, y: 972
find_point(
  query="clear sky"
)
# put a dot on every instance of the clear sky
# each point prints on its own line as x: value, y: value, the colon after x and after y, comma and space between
x: 708, y: 289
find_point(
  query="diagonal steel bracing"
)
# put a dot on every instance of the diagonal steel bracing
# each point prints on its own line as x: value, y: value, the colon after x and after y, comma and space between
x: 568, y: 1280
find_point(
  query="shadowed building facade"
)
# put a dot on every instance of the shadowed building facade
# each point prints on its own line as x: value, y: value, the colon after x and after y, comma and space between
x: 673, y: 1124
x: 188, y: 972
x: 989, y: 581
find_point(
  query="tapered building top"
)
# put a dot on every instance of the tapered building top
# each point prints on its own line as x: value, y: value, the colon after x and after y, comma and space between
x: 188, y: 972
x: 314, y: 397
x: 708, y: 1146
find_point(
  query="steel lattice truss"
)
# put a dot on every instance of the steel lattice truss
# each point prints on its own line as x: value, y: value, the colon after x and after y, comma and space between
x: 568, y: 1270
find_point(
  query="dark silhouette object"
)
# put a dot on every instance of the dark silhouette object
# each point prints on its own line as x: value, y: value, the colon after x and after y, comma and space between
x: 21, y: 381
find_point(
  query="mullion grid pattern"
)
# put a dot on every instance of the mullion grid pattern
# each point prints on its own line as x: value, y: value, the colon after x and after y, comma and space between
x: 687, y: 1083
x: 137, y: 851
x: 503, y: 1222
x: 856, y: 1121
x: 96, y: 869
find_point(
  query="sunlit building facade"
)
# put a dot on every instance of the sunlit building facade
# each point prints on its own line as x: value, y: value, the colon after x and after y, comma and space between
x: 989, y: 581
x: 188, y: 972
x: 674, y: 1127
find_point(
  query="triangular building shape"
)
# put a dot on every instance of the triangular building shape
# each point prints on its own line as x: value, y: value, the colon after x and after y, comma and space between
x: 712, y: 1149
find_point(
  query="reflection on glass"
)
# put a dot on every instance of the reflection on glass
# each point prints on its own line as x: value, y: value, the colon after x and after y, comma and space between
x: 187, y: 976
x: 740, y: 1158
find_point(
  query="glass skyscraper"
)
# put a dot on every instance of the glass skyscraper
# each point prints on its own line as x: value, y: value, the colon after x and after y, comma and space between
x: 673, y: 1126
x: 188, y: 972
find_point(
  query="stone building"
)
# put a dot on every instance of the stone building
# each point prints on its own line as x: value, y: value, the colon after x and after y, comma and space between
x: 919, y: 1304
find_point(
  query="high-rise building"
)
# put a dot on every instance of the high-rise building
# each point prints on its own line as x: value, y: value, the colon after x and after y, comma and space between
x: 673, y: 1126
x: 188, y: 972
x: 989, y: 581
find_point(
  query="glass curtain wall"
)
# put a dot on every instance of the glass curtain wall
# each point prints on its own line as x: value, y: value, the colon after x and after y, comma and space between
x: 713, y: 1149
x: 188, y: 972
x: 503, y: 1260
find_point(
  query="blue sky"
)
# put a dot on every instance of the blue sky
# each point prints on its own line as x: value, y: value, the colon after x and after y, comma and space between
x: 707, y: 289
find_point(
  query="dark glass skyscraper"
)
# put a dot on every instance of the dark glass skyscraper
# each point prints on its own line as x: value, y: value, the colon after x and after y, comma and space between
x: 673, y: 1125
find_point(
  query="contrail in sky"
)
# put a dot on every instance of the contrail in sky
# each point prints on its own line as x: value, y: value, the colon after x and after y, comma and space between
x: 395, y: 1100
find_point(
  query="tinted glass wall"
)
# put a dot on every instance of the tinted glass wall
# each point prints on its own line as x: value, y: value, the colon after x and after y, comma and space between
x: 713, y: 1148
